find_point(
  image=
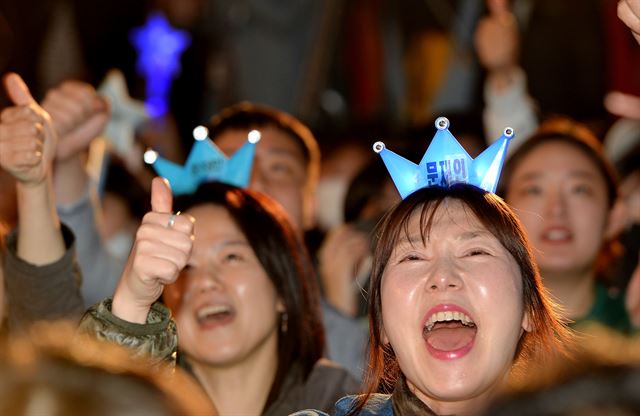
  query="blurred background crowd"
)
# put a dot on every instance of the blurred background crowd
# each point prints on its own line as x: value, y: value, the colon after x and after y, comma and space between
x: 353, y: 72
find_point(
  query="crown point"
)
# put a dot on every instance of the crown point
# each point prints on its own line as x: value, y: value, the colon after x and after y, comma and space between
x: 508, y: 132
x: 378, y: 147
x: 150, y: 157
x: 442, y: 123
x: 254, y: 136
x: 200, y: 133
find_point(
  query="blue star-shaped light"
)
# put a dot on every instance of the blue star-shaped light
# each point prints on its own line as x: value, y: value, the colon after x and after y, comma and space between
x: 159, y: 48
x: 207, y: 163
x: 446, y: 162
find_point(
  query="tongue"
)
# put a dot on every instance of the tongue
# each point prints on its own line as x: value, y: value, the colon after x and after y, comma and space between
x: 450, y: 336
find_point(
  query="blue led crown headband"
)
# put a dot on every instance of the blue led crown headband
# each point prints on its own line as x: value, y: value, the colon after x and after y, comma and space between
x: 446, y: 163
x: 207, y: 163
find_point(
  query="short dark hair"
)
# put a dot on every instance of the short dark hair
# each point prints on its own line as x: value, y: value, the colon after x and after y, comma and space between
x: 285, y: 260
x: 549, y: 333
x: 247, y: 115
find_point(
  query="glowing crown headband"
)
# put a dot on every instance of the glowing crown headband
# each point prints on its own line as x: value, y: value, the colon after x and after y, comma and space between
x: 207, y: 163
x: 446, y: 162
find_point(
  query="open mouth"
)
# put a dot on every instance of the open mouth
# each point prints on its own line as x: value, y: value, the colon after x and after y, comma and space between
x: 449, y: 334
x: 557, y: 235
x: 212, y: 315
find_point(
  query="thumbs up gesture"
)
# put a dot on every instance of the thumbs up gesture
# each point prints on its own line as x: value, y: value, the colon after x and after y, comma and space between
x: 497, y: 39
x: 27, y: 138
x: 161, y: 250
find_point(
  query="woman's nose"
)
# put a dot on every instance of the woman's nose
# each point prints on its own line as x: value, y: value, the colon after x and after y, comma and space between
x: 444, y: 276
x: 556, y: 204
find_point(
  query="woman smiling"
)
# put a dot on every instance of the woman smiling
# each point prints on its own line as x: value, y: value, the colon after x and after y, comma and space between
x: 456, y: 308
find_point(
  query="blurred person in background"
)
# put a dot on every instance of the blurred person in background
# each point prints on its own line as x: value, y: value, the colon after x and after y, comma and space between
x: 52, y: 370
x: 602, y: 377
x: 563, y: 189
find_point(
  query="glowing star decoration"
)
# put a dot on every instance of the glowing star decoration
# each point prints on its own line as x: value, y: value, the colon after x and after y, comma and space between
x: 206, y: 163
x: 446, y: 163
x: 159, y: 48
x: 127, y: 114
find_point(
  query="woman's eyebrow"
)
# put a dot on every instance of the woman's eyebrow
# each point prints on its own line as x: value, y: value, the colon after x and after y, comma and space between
x: 412, y: 240
x: 227, y: 243
x: 470, y: 235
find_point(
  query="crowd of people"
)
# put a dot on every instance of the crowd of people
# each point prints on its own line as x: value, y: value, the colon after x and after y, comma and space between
x: 123, y: 298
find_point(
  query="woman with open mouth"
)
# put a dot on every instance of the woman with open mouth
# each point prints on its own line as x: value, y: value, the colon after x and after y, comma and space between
x: 564, y: 191
x: 456, y: 306
x: 241, y: 288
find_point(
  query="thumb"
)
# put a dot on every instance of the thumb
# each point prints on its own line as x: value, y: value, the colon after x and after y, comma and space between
x: 498, y: 8
x: 17, y: 90
x: 161, y: 197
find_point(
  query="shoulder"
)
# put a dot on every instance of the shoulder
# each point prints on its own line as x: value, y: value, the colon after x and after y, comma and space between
x: 326, y: 383
x: 376, y: 405
x: 328, y: 371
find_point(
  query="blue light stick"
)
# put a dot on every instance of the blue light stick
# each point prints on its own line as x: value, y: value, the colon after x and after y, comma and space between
x: 159, y: 48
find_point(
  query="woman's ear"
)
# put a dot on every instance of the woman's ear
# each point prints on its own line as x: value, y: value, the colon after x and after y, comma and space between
x: 617, y: 220
x: 527, y: 324
x: 280, y: 306
x: 384, y: 337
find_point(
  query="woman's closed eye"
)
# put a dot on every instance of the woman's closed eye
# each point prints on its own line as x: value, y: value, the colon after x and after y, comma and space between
x: 476, y: 252
x: 410, y: 257
x: 232, y: 257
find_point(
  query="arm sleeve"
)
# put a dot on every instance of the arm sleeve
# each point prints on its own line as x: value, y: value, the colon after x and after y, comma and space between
x: 45, y: 292
x: 346, y: 340
x: 156, y: 340
x: 101, y: 271
x: 510, y: 108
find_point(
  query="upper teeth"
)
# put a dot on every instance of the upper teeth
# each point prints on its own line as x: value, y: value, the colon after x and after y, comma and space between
x: 211, y: 310
x: 557, y: 234
x: 448, y: 316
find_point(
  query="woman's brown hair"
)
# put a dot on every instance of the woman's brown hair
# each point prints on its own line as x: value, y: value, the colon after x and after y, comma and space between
x: 548, y: 334
x: 287, y: 264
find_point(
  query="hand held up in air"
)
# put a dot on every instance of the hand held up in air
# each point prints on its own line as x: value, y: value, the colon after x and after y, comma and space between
x: 497, y: 42
x: 629, y: 13
x: 27, y: 138
x: 162, y: 249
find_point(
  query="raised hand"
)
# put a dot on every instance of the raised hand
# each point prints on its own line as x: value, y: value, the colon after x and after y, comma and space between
x: 27, y: 138
x: 79, y: 114
x: 161, y: 250
x: 629, y: 13
x: 497, y: 39
x: 340, y: 257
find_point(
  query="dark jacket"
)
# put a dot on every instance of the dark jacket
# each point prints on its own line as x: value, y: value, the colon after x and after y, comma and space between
x: 48, y: 292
